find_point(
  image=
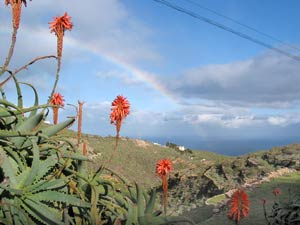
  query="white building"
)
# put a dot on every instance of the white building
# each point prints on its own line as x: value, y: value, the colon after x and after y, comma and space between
x: 181, y: 148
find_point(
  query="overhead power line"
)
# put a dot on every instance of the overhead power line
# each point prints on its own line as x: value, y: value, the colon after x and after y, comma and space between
x: 226, y: 28
x: 242, y: 24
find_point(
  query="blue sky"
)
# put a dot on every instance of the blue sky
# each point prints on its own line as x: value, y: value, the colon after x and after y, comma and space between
x: 188, y: 82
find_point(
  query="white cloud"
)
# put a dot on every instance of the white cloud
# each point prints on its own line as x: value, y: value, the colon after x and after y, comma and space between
x: 105, y: 26
x: 277, y: 121
x: 122, y: 76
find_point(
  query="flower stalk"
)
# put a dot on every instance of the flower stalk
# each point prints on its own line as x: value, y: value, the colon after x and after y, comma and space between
x: 163, y: 167
x: 80, y: 106
x: 16, y: 7
x: 58, y: 26
x: 119, y: 111
x: 56, y: 101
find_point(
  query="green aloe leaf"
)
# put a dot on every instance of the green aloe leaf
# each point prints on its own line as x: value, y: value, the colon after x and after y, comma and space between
x: 13, y: 191
x: 46, y: 165
x: 44, y: 185
x: 140, y: 201
x: 10, y: 169
x: 42, y: 212
x: 22, y: 177
x: 75, y: 156
x: 19, y: 215
x: 5, y: 112
x: 130, y: 215
x: 8, y: 133
x: 36, y: 99
x: 35, y: 163
x: 132, y: 194
x: 28, y: 125
x: 150, y: 204
x: 17, y: 157
x: 31, y: 122
x: 121, y: 200
x: 55, y: 196
x: 11, y: 105
x: 52, y: 130
x: 19, y: 92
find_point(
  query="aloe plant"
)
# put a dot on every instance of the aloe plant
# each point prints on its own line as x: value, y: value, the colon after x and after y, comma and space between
x: 34, y: 184
x: 141, y: 209
x: 44, y: 178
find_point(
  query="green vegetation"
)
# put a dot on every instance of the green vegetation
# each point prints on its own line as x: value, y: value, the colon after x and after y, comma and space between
x: 287, y: 184
x: 47, y: 179
x: 136, y: 159
x: 47, y: 176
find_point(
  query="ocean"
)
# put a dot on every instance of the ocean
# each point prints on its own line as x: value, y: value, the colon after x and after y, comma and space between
x: 226, y: 147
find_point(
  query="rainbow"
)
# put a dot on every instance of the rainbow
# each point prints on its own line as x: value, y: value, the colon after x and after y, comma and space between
x: 148, y: 78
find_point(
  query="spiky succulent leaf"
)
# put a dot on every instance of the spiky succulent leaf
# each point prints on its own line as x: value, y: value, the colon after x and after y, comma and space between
x: 35, y: 164
x: 52, y: 130
x: 44, y: 185
x: 15, y: 156
x: 19, y: 92
x: 130, y: 215
x: 10, y: 169
x: 36, y: 98
x: 22, y: 177
x: 46, y: 165
x: 31, y: 122
x: 51, y: 196
x: 41, y: 212
x: 75, y: 156
x: 150, y: 203
x: 140, y: 201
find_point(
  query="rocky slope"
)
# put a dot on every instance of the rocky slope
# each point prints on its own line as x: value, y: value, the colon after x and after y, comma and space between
x: 189, y: 188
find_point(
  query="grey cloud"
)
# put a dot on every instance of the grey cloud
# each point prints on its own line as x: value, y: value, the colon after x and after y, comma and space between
x: 268, y: 80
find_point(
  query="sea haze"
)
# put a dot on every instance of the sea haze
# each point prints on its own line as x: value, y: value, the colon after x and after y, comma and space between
x: 227, y: 147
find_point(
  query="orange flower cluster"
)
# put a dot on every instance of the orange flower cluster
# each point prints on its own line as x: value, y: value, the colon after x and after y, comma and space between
x: 56, y: 100
x: 58, y: 26
x: 163, y: 167
x: 16, y: 10
x: 238, y: 205
x: 119, y: 110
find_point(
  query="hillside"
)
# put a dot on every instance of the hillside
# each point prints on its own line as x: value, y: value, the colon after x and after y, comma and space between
x: 197, y: 175
x: 136, y: 159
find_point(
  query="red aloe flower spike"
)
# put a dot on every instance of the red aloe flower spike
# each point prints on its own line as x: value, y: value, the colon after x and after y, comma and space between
x: 16, y: 10
x: 57, y: 101
x: 58, y: 26
x: 163, y: 167
x: 276, y: 192
x: 119, y: 110
x: 238, y: 206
